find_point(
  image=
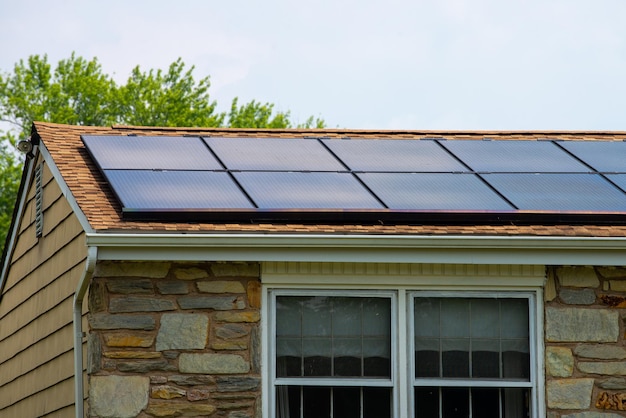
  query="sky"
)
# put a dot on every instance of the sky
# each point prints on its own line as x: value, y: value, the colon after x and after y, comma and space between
x: 366, y: 64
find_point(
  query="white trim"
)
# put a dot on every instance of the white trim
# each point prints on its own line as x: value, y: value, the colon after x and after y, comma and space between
x: 518, y: 250
x: 67, y: 193
x: 382, y: 275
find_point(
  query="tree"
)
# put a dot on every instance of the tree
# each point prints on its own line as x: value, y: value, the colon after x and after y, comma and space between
x: 78, y: 92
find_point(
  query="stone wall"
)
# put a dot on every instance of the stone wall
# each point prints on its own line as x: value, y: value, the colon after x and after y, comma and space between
x: 171, y: 340
x: 585, y: 342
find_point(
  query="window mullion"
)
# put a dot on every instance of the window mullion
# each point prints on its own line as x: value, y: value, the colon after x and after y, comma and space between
x: 400, y: 333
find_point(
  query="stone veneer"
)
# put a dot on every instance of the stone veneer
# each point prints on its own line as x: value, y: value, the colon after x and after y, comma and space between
x: 174, y: 340
x: 585, y: 342
x: 183, y: 340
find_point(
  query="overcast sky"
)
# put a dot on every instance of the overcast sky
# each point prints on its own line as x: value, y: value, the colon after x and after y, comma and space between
x: 393, y: 64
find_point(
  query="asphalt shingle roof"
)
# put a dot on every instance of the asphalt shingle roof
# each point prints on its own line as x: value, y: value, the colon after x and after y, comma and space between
x: 103, y: 211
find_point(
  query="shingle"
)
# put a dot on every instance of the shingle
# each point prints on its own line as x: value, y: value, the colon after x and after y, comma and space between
x: 104, y: 213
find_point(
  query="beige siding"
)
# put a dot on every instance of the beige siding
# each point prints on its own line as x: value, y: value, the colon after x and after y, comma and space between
x: 36, y: 338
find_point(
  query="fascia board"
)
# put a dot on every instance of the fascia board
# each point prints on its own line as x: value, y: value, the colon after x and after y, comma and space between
x: 67, y: 193
x: 362, y: 248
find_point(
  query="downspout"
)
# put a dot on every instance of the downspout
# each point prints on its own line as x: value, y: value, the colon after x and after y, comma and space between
x: 79, y: 295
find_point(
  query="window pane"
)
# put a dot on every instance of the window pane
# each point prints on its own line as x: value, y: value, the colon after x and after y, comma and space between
x: 426, y: 317
x: 486, y: 402
x: 288, y: 313
x: 455, y: 358
x: 332, y: 336
x: 515, y: 318
x: 376, y: 403
x: 479, y: 337
x: 377, y: 361
x: 347, y: 357
x: 288, y: 357
x: 317, y: 353
x: 426, y: 402
x: 315, y: 402
x: 338, y: 402
x: 347, y: 316
x: 316, y: 316
x: 454, y: 317
x: 427, y: 358
x: 376, y: 317
x: 485, y: 318
x: 515, y: 402
x: 485, y: 358
x: 455, y: 402
x: 288, y: 401
x: 515, y: 359
x: 347, y: 402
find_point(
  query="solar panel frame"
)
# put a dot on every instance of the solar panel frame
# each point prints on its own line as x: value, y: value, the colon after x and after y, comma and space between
x: 514, y: 156
x: 150, y: 153
x: 394, y: 155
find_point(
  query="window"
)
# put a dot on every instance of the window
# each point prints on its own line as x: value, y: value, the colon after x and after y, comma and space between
x: 342, y: 354
x: 471, y: 356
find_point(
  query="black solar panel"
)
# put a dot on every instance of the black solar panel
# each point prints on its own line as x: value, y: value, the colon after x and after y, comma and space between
x: 618, y: 179
x: 150, y: 153
x: 297, y: 190
x: 514, y: 156
x: 394, y: 155
x: 434, y: 191
x: 362, y: 180
x: 603, y: 156
x: 145, y: 190
x: 276, y: 154
x: 559, y: 192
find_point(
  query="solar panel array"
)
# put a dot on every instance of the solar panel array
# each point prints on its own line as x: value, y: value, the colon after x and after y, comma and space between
x: 386, y: 180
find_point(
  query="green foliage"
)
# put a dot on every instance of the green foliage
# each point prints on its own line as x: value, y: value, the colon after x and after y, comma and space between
x: 173, y: 98
x: 10, y: 174
x: 77, y: 92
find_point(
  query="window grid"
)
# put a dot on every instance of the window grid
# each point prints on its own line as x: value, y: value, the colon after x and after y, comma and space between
x: 334, y: 383
x: 470, y: 383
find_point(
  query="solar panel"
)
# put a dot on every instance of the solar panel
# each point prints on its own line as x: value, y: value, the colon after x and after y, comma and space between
x: 394, y: 155
x: 274, y: 154
x: 298, y: 190
x: 514, y: 156
x: 618, y: 179
x: 603, y: 156
x: 141, y: 190
x: 150, y: 153
x: 559, y: 192
x: 359, y: 180
x: 434, y: 191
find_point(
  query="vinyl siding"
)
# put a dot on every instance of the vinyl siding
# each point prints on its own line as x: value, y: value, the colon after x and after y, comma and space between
x: 36, y: 337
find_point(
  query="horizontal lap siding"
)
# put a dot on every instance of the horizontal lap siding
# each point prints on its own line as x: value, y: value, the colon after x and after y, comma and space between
x: 36, y: 338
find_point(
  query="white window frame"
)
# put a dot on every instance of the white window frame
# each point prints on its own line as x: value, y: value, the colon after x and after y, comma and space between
x: 403, y: 279
x: 335, y: 381
x: 473, y: 382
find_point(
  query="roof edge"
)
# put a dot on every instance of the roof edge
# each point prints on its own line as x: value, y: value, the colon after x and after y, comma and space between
x: 546, y: 250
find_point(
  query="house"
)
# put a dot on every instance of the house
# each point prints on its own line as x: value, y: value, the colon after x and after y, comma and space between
x: 164, y: 272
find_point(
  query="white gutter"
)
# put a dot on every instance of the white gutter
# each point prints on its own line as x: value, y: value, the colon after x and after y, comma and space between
x: 456, y: 249
x: 81, y: 290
